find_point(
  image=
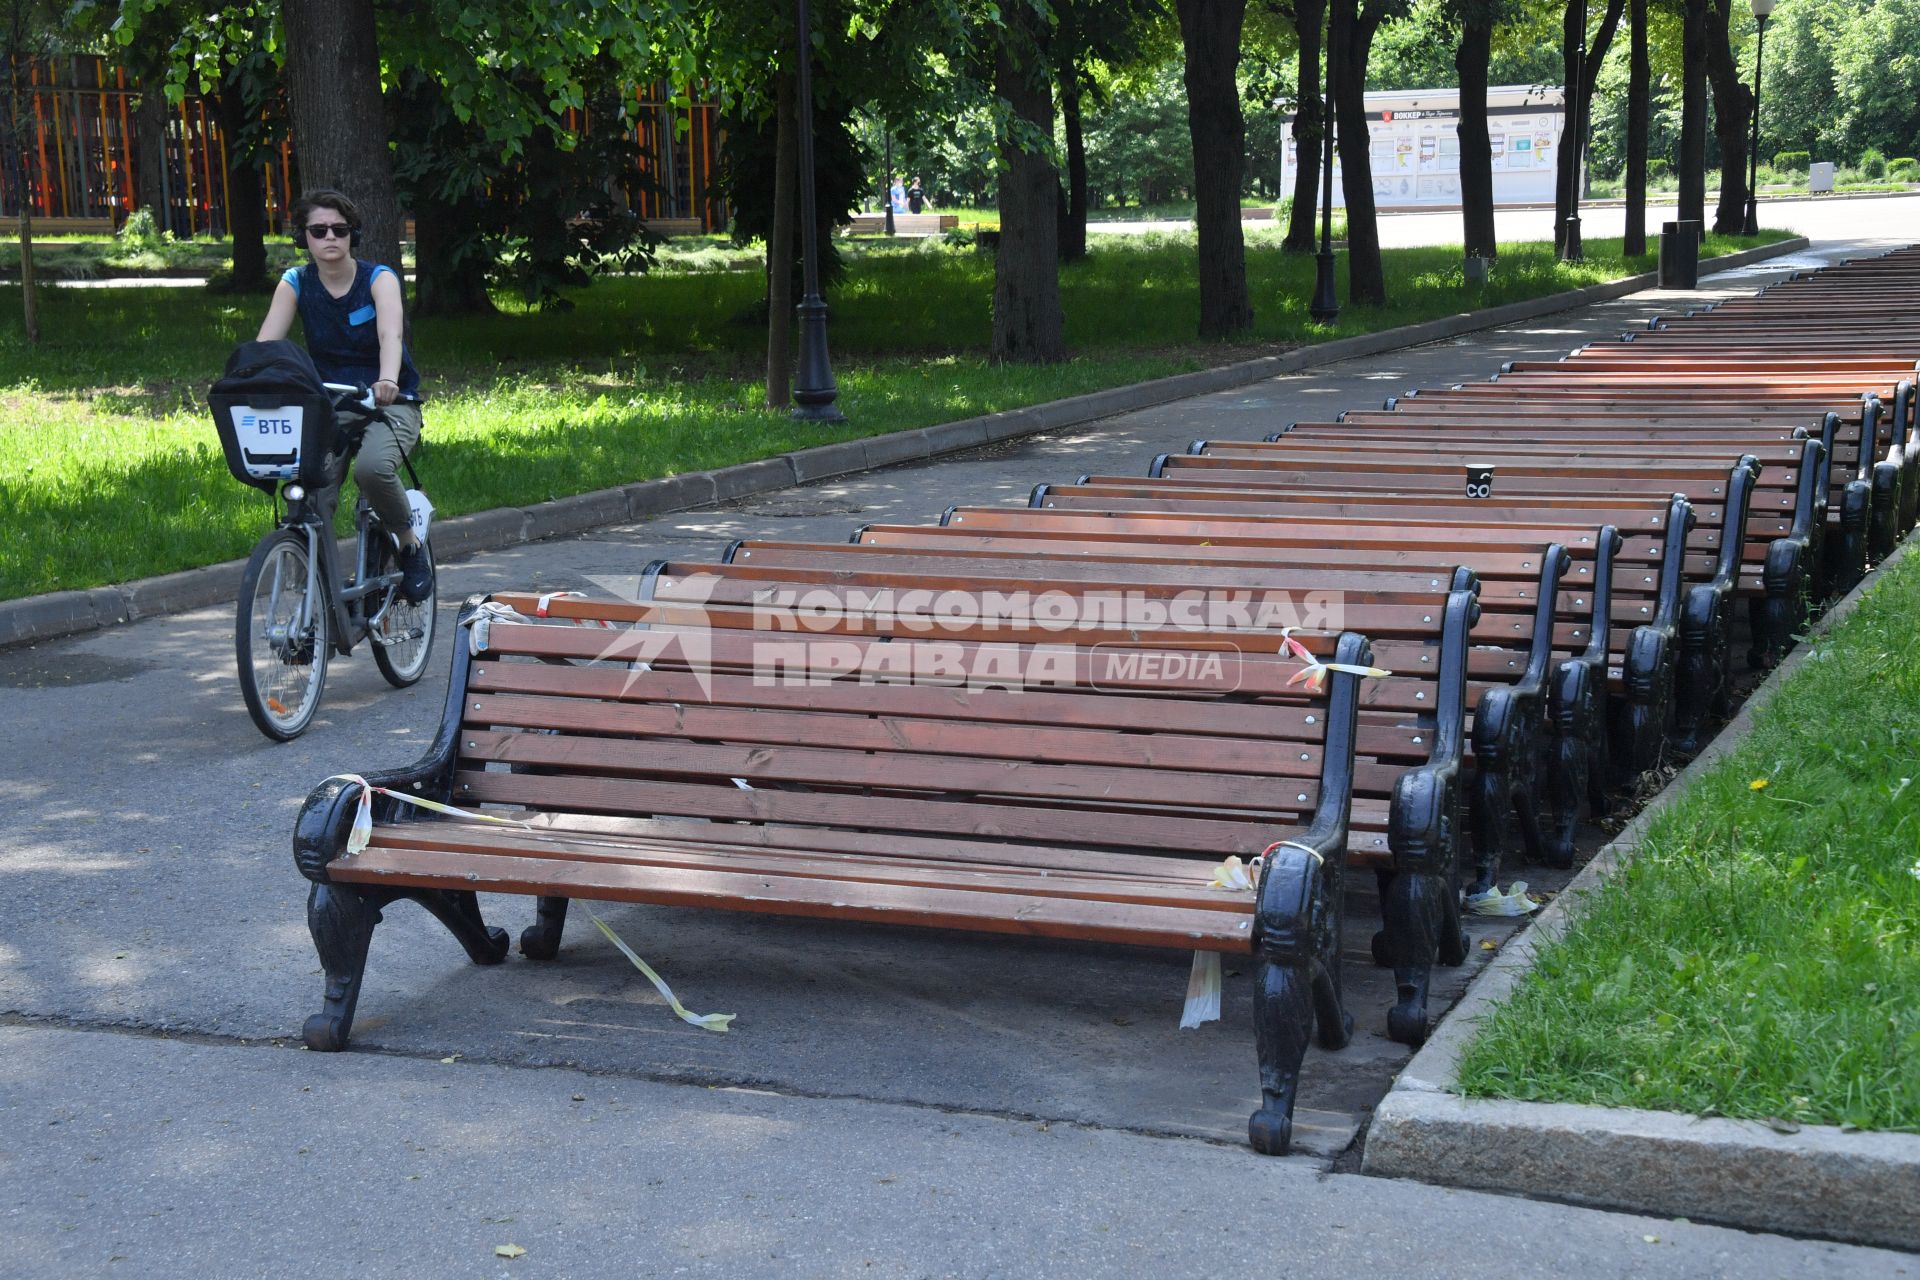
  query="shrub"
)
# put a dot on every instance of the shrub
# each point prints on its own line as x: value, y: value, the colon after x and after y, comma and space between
x: 1873, y: 164
x: 1657, y: 169
x: 139, y: 232
x: 1793, y: 161
x: 1904, y: 169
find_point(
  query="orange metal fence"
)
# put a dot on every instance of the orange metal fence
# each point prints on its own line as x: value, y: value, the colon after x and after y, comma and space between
x: 84, y: 143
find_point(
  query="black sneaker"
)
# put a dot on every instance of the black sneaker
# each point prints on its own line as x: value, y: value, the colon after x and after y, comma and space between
x: 416, y: 573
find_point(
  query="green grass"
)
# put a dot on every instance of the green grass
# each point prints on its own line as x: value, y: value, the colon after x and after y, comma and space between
x: 109, y: 468
x: 1760, y: 956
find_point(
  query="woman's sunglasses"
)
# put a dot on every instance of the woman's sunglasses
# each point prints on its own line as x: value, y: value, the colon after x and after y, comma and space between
x: 338, y: 230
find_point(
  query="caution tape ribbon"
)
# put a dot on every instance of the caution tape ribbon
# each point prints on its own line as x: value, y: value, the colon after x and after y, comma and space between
x: 361, y: 833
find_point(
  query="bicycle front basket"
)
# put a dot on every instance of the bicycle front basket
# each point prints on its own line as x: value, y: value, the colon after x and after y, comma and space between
x: 274, y: 419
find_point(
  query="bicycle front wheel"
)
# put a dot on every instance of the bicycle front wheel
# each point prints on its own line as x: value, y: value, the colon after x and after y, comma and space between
x: 403, y: 632
x: 280, y: 636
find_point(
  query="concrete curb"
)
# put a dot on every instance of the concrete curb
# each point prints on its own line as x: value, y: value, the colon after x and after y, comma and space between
x: 1821, y: 1181
x: 62, y: 613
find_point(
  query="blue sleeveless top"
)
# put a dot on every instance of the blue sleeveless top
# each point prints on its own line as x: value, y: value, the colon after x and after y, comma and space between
x: 341, y: 335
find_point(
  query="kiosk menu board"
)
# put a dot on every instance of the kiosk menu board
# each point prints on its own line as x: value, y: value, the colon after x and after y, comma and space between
x: 1414, y: 147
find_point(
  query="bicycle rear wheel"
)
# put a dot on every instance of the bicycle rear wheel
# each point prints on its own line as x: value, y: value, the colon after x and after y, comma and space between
x: 403, y: 636
x: 280, y: 637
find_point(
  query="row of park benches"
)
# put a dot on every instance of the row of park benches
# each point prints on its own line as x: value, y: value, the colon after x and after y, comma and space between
x: 1417, y: 641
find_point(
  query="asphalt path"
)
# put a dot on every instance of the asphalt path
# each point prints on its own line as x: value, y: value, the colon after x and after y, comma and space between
x: 890, y: 1101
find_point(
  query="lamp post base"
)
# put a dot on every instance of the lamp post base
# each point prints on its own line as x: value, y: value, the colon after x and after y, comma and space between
x: 814, y: 391
x: 1751, y: 227
x: 1325, y: 307
x: 1571, y: 249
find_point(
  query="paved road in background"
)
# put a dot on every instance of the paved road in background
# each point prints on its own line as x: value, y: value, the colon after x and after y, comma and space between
x: 891, y: 1102
x: 1837, y: 218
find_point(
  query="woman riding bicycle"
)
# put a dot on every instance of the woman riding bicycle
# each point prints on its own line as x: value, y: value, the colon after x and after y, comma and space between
x: 351, y: 313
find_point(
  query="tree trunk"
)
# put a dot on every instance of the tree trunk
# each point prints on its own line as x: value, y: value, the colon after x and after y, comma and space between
x: 1476, y: 148
x: 780, y: 255
x: 1639, y: 108
x: 150, y: 137
x: 1073, y: 231
x: 1693, y: 112
x: 1027, y: 322
x: 1573, y: 38
x: 16, y: 132
x: 1597, y: 49
x: 1349, y: 40
x: 339, y: 116
x: 1586, y: 54
x: 1732, y: 113
x: 246, y: 194
x: 1210, y: 30
x: 1309, y: 139
x: 450, y: 279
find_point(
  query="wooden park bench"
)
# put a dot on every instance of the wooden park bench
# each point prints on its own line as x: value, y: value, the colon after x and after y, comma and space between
x: 61, y: 226
x: 1866, y: 480
x: 904, y: 224
x: 1668, y: 658
x: 643, y: 755
x: 1422, y: 629
x: 1784, y: 501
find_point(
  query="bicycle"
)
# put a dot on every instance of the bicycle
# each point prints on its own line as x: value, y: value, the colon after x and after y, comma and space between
x: 296, y: 608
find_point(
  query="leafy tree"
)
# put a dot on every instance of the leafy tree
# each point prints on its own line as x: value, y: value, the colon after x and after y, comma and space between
x: 1309, y: 121
x: 1584, y: 52
x: 1692, y: 166
x: 339, y: 115
x: 1877, y: 79
x: 1027, y: 319
x: 1639, y: 100
x: 1350, y: 32
x: 28, y: 29
x: 1139, y: 149
x: 1473, y: 59
x: 1732, y: 113
x: 515, y: 148
x: 1210, y: 31
x: 229, y: 52
x: 1090, y: 36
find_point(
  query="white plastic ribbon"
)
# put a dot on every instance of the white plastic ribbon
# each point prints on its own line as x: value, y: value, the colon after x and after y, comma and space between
x: 705, y: 1021
x: 1315, y: 671
x: 540, y: 609
x: 1203, y: 990
x: 1492, y: 902
x: 1234, y: 874
x: 483, y: 618
x: 362, y: 832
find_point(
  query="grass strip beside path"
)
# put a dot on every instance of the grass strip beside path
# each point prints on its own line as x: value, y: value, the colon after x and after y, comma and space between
x: 110, y: 469
x: 1759, y: 957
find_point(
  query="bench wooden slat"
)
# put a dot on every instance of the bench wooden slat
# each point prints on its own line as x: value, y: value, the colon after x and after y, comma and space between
x: 1146, y: 829
x: 816, y: 899
x: 980, y: 875
x: 898, y: 769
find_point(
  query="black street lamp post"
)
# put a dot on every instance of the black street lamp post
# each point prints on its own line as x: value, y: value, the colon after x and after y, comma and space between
x: 1761, y: 10
x: 1325, y: 307
x: 1571, y: 249
x: 886, y: 182
x: 814, y: 391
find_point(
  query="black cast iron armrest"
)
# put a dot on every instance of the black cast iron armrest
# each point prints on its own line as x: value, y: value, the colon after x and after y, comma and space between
x: 320, y: 832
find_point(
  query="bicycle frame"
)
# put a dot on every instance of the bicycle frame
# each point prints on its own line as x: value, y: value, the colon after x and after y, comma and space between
x: 350, y: 625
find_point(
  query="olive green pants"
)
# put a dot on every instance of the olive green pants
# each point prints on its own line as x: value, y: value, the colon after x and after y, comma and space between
x: 377, y: 469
